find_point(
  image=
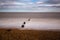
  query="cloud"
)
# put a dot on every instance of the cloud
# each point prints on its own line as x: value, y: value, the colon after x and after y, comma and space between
x: 53, y: 1
x: 11, y: 3
x: 15, y: 4
x: 39, y: 2
x: 49, y: 5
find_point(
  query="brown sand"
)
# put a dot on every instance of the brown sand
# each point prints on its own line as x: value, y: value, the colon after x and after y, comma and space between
x: 15, y: 34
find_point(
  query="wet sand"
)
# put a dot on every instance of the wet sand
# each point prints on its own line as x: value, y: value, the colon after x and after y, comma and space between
x: 38, y: 20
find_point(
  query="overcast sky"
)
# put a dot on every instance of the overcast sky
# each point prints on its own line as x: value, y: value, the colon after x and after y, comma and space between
x: 4, y: 4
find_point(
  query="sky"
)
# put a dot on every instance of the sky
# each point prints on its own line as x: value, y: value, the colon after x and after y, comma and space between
x: 26, y: 4
x: 32, y: 0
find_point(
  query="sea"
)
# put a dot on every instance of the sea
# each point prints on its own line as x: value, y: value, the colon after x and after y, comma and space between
x: 29, y: 9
